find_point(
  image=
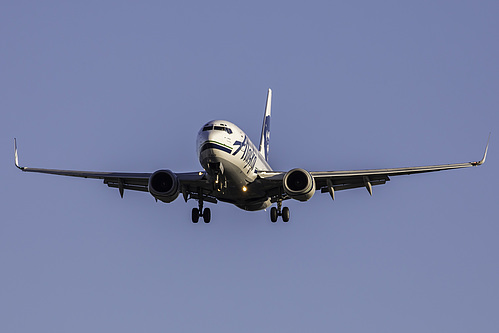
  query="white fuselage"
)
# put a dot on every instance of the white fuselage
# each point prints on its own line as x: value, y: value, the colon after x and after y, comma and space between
x: 228, y: 156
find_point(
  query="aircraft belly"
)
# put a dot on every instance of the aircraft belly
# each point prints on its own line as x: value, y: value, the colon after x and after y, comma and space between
x: 236, y: 172
x: 253, y: 206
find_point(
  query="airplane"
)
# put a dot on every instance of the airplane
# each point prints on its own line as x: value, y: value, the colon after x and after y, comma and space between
x: 235, y: 171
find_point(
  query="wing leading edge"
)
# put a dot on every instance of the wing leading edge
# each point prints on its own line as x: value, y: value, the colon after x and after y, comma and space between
x: 135, y: 181
x: 330, y: 181
x: 192, y: 182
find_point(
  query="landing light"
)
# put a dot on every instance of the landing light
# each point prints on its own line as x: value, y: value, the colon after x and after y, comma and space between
x: 245, y: 188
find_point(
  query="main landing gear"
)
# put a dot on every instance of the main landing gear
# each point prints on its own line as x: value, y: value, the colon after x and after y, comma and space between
x: 275, y: 212
x: 200, y: 212
x: 196, y: 214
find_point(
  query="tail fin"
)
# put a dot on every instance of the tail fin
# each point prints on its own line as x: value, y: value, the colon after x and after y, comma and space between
x: 265, y: 137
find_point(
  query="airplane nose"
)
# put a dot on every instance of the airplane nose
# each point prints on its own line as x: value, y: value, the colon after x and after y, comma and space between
x: 205, y: 135
x: 212, y: 135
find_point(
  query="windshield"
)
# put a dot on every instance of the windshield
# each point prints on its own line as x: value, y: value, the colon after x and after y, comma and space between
x: 217, y: 128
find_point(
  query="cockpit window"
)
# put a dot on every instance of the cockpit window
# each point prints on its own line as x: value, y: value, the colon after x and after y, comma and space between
x: 217, y: 128
x: 222, y: 128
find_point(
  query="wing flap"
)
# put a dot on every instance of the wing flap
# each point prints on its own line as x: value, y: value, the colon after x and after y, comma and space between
x: 350, y: 183
x: 125, y: 186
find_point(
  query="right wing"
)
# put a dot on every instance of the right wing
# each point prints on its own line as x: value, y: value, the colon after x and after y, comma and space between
x: 190, y: 182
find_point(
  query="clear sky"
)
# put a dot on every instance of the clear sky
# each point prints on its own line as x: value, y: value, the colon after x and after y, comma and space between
x: 125, y: 86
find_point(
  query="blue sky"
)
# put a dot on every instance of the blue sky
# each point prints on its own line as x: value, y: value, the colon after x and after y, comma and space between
x: 123, y: 86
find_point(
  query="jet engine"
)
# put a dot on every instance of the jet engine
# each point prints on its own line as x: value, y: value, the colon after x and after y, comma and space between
x: 164, y: 185
x: 299, y: 184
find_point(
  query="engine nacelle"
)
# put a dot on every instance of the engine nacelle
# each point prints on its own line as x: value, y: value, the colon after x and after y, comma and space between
x: 164, y: 185
x: 299, y: 184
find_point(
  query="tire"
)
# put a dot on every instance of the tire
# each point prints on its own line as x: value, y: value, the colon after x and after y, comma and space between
x: 285, y: 214
x: 207, y: 215
x: 273, y: 214
x: 195, y: 215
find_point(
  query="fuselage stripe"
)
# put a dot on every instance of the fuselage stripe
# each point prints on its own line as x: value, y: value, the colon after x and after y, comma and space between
x: 215, y: 145
x: 218, y: 143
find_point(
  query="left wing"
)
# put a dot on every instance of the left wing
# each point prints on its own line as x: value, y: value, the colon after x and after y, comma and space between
x: 331, y: 181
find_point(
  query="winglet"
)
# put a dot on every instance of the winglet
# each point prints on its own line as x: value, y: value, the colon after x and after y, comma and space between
x: 484, y: 155
x: 16, y: 157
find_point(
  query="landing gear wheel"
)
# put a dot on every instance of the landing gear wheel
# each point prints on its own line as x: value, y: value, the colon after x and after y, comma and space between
x: 207, y: 215
x: 273, y: 214
x: 285, y: 214
x: 195, y: 215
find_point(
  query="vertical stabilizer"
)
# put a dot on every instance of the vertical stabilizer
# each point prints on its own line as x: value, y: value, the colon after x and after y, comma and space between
x: 265, y: 136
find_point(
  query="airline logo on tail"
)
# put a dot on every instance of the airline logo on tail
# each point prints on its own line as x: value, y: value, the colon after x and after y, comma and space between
x: 265, y: 137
